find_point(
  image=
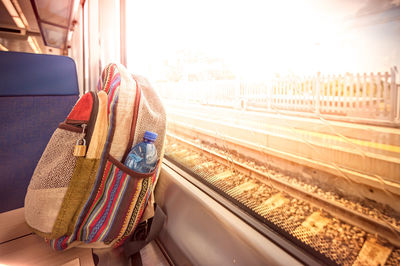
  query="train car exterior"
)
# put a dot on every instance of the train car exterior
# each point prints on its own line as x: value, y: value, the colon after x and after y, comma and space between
x: 283, y: 124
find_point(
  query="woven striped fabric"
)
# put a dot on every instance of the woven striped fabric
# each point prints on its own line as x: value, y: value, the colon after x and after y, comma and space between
x: 116, y: 211
x: 136, y: 208
x: 109, y: 82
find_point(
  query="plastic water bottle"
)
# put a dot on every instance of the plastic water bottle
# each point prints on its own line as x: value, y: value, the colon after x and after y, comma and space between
x: 143, y: 156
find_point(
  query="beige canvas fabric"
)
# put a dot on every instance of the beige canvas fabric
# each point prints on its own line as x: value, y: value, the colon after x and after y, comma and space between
x: 126, y: 99
x: 42, y: 207
x: 151, y: 117
x: 50, y: 180
x: 57, y: 163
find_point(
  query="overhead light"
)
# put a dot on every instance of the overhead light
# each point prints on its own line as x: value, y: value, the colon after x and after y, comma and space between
x: 14, y: 14
x: 21, y: 14
x: 72, y: 24
x: 19, y: 22
x: 69, y: 35
x: 3, y: 48
x: 75, y: 8
x: 34, y: 45
x: 10, y: 8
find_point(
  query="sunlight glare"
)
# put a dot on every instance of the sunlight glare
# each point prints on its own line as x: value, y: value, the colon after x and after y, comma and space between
x: 255, y: 38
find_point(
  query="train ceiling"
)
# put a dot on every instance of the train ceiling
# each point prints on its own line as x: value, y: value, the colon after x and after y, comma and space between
x: 36, y: 26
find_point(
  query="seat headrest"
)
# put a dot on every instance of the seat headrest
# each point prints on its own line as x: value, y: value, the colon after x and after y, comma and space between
x: 25, y: 74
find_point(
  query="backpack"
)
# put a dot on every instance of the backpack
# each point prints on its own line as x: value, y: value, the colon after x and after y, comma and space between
x: 81, y: 194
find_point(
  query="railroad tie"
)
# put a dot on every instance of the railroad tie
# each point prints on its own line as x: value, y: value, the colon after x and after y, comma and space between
x: 314, y: 224
x: 204, y: 165
x: 275, y: 201
x: 220, y: 176
x: 180, y: 153
x: 191, y: 160
x: 372, y: 253
x: 242, y: 188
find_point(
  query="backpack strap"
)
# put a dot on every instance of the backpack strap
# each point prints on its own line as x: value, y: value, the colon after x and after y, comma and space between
x: 145, y: 232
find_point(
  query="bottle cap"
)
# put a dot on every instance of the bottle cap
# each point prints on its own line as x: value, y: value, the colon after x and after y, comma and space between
x: 150, y: 135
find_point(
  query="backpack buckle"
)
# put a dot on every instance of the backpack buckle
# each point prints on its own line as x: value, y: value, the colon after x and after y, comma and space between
x: 140, y: 232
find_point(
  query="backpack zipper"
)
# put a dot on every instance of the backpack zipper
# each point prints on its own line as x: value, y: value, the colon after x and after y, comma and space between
x: 73, y: 128
x: 85, y: 127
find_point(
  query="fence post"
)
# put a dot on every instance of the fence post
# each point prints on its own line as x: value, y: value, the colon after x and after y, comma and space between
x: 237, y: 99
x: 395, y: 96
x: 317, y: 88
x: 269, y: 85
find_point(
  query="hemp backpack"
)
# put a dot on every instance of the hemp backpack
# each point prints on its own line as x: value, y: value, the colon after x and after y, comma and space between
x: 81, y: 194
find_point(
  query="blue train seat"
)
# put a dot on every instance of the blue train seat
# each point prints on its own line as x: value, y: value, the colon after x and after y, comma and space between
x: 36, y: 93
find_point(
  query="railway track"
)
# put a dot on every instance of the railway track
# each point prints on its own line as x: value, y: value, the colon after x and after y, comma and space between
x: 344, y: 231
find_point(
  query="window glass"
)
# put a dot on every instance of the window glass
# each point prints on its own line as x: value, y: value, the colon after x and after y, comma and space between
x: 290, y: 108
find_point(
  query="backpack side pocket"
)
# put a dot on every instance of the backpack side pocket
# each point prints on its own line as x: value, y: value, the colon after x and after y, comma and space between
x: 50, y: 180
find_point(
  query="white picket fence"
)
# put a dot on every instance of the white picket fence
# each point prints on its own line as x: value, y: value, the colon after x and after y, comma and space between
x: 373, y: 97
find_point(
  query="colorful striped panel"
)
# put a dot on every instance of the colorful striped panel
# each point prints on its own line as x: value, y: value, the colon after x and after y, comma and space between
x: 103, y: 222
x: 107, y: 210
x: 109, y: 82
x: 137, y: 211
x: 105, y: 206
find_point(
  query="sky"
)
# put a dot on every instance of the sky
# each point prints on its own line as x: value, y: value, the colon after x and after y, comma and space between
x: 261, y: 38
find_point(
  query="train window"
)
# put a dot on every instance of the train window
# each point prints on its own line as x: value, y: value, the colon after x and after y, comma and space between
x: 291, y: 109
